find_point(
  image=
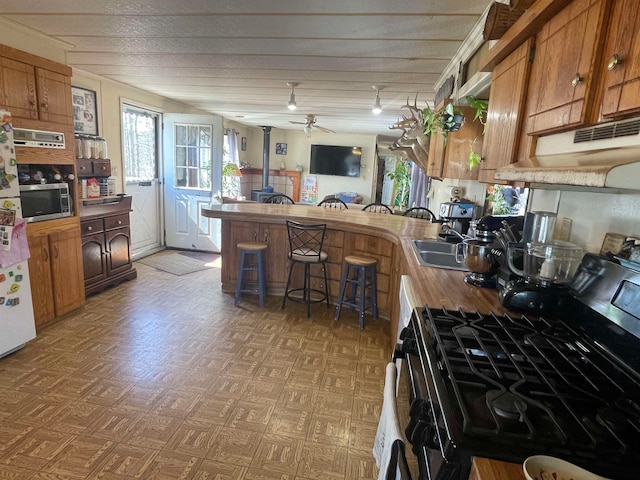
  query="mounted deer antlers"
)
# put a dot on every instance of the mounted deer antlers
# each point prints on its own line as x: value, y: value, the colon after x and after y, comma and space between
x: 413, y: 141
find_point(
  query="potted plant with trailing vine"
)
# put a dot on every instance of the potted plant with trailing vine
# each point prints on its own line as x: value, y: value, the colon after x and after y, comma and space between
x: 481, y: 107
x: 446, y: 119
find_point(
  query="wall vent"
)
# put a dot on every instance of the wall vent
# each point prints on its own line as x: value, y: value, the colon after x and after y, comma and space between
x: 607, y: 131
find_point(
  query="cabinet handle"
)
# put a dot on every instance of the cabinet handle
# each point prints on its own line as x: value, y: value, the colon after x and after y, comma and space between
x: 89, y: 229
x: 577, y: 78
x: 614, y: 61
x: 45, y: 253
x: 44, y: 105
x: 55, y: 251
x: 32, y: 102
x: 255, y: 236
x: 266, y: 237
x: 119, y: 222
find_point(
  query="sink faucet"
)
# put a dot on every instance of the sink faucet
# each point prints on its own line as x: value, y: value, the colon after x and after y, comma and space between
x: 450, y: 231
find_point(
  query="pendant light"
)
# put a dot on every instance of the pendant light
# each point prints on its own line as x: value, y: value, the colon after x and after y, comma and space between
x: 292, y: 99
x: 377, y: 108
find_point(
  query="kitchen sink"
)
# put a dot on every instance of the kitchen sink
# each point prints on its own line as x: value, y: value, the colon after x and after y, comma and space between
x: 434, y: 246
x: 432, y: 253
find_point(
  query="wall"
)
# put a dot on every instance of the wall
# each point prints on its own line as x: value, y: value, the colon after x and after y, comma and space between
x: 594, y: 213
x: 299, y: 153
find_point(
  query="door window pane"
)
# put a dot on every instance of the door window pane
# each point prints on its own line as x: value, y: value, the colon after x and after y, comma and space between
x: 193, y: 156
x: 140, y: 144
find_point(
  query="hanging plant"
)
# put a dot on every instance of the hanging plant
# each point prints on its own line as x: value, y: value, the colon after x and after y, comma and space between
x: 442, y: 121
x: 481, y: 107
x: 474, y: 157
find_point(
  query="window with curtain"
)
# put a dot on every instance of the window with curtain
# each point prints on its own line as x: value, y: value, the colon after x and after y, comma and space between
x: 230, y: 164
x: 140, y: 143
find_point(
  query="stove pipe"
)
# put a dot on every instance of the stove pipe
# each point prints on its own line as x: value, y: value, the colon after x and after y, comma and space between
x: 265, y: 156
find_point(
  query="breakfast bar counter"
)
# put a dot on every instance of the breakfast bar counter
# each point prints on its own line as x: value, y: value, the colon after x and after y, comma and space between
x: 432, y: 286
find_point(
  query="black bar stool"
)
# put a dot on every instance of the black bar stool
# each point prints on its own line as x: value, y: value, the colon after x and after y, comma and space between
x: 305, y: 247
x: 360, y: 272
x: 256, y: 249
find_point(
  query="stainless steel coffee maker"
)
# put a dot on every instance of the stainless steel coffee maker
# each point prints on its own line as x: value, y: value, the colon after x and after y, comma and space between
x: 458, y: 214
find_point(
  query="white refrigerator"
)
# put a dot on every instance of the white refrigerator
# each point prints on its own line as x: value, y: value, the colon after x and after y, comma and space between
x: 17, y: 324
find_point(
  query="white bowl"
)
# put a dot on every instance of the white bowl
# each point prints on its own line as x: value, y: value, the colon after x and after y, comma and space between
x: 542, y: 467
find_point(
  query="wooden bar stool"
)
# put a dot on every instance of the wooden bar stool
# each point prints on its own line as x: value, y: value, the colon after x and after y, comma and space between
x: 258, y: 286
x: 360, y: 272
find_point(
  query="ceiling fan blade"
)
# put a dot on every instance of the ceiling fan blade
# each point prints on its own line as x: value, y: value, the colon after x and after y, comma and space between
x: 323, y: 129
x: 298, y: 123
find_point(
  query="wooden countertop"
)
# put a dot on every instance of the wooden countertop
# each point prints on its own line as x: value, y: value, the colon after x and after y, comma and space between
x: 433, y: 286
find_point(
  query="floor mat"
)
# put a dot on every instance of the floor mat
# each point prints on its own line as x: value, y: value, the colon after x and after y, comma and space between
x: 175, y: 263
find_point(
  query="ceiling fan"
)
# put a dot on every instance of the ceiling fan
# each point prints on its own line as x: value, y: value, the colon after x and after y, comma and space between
x: 310, y: 124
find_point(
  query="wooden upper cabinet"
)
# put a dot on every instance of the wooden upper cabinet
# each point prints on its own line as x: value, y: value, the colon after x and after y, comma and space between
x: 568, y: 48
x: 621, y: 70
x: 54, y: 96
x: 459, y: 146
x: 18, y: 88
x: 506, y: 111
x: 35, y: 93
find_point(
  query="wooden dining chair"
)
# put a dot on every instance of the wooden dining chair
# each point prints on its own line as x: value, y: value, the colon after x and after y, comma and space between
x: 333, y: 202
x: 420, y: 212
x: 377, y: 208
x: 280, y: 198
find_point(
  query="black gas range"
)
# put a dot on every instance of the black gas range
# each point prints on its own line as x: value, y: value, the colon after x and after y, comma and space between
x: 509, y: 387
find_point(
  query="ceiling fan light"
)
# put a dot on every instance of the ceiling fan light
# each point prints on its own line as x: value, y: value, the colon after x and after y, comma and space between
x: 307, y: 129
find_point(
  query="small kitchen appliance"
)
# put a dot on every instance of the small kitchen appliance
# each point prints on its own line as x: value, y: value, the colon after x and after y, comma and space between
x: 547, y: 267
x: 483, y: 253
x: 458, y: 214
x: 508, y: 387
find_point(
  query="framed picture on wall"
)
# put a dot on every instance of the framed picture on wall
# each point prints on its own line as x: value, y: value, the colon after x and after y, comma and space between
x: 281, y: 148
x: 85, y: 111
x: 243, y: 144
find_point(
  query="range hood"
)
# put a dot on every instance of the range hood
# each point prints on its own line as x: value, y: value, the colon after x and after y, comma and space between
x: 606, y: 155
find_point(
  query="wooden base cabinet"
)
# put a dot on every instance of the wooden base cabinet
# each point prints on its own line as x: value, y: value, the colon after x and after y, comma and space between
x: 106, y: 251
x: 55, y: 269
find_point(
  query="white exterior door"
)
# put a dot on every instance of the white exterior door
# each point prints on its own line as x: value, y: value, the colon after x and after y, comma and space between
x: 192, y: 178
x: 141, y: 150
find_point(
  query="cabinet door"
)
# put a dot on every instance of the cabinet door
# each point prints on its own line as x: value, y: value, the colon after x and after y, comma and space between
x: 563, y: 83
x: 118, y: 244
x: 459, y: 146
x: 622, y: 60
x: 54, y: 96
x: 94, y: 258
x: 19, y: 89
x: 506, y: 112
x: 277, y: 264
x: 66, y: 269
x: 436, y: 156
x: 40, y: 275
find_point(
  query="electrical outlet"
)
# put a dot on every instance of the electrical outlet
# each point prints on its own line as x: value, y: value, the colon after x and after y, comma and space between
x: 565, y: 229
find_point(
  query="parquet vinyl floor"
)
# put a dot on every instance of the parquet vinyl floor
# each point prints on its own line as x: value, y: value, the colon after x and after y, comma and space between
x: 163, y: 378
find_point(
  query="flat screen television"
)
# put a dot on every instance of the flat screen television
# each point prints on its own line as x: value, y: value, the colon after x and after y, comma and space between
x: 335, y: 160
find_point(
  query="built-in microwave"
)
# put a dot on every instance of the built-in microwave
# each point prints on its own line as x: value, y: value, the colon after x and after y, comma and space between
x: 45, y: 201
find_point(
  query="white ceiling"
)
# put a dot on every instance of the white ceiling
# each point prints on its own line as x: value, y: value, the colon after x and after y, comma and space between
x: 234, y: 58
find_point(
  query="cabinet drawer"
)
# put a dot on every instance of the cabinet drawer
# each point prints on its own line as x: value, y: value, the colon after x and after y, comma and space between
x: 89, y: 227
x: 84, y: 167
x: 116, y: 221
x: 101, y: 168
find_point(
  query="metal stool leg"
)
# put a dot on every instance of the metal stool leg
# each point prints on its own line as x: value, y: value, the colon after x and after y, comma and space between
x: 362, y: 285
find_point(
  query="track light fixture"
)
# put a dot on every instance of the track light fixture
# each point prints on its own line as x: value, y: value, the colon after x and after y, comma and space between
x: 292, y: 99
x: 377, y: 108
